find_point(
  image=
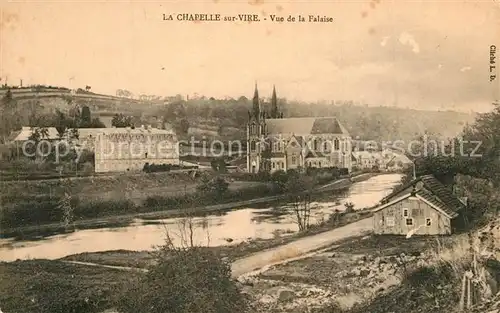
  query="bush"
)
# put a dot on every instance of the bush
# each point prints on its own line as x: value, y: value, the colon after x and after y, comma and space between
x: 191, y: 280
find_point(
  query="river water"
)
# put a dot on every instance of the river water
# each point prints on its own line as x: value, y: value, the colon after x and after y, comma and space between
x: 231, y: 228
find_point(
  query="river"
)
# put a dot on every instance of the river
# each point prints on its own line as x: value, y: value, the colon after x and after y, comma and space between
x: 230, y: 228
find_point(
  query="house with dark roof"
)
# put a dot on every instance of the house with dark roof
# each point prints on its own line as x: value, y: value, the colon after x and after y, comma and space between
x: 276, y: 143
x: 423, y: 206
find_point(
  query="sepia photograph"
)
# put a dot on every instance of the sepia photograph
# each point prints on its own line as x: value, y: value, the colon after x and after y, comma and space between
x: 249, y: 156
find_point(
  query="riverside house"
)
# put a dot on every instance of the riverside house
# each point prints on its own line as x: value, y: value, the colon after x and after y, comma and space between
x: 424, y: 206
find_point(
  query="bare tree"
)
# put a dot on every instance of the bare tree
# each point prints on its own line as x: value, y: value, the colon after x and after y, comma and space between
x: 65, y: 203
x: 188, y: 223
x: 300, y: 187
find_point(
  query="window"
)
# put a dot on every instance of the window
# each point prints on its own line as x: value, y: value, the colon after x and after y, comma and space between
x: 390, y: 221
x: 336, y: 144
x: 253, y: 146
x: 319, y: 164
x: 325, y: 146
x: 274, y: 165
x: 409, y: 222
x: 294, y: 159
x: 428, y: 222
x: 146, y: 155
x: 282, y: 164
x: 315, y: 144
x: 279, y: 146
x: 405, y: 212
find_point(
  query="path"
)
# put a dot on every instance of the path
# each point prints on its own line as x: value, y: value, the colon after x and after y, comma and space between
x: 290, y: 251
x: 299, y: 247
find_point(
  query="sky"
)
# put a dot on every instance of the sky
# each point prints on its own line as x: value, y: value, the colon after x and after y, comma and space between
x: 423, y: 55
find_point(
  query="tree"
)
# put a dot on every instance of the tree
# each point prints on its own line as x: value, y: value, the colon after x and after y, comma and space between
x: 9, y: 115
x: 121, y: 120
x: 193, y: 280
x: 299, y: 188
x: 280, y: 178
x: 86, y: 115
x: 219, y: 165
x: 37, y: 150
x: 65, y: 204
x: 182, y: 126
x: 349, y: 207
x: 215, y: 187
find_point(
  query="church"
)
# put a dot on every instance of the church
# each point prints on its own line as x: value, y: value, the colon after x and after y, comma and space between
x: 277, y: 143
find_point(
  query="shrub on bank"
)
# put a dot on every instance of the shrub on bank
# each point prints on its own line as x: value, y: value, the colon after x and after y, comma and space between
x: 193, y: 280
x: 152, y: 168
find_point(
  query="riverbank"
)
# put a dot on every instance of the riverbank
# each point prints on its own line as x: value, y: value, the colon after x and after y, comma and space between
x: 143, y: 259
x: 120, y: 220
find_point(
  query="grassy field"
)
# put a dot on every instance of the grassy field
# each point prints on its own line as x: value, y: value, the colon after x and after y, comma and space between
x: 44, y: 286
x: 133, y: 187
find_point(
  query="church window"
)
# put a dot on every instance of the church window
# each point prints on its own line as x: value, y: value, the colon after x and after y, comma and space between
x: 325, y: 146
x: 274, y: 165
x: 336, y: 144
x: 315, y: 144
x: 294, y: 159
x: 279, y: 146
x: 253, y: 146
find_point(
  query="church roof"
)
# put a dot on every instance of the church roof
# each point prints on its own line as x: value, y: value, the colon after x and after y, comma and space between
x: 305, y: 126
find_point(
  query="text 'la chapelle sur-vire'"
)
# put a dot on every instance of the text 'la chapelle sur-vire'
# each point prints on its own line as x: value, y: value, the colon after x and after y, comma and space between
x: 188, y: 17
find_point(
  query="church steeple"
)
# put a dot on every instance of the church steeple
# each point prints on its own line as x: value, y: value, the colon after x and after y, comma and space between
x: 256, y: 102
x: 274, y: 104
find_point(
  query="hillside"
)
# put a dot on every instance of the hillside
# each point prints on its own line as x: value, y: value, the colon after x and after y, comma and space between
x: 225, y: 119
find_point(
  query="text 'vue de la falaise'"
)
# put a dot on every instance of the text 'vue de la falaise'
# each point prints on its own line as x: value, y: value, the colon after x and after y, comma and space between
x: 188, y: 17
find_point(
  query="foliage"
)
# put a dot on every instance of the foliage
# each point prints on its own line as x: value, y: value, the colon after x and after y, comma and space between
x: 10, y: 115
x: 349, y: 207
x: 121, y: 120
x: 151, y: 168
x: 474, y: 153
x: 50, y: 286
x: 280, y: 178
x: 65, y: 204
x: 86, y: 116
x: 219, y: 165
x: 216, y: 187
x: 193, y: 280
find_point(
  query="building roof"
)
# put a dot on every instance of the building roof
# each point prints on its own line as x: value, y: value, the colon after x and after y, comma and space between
x: 87, y: 132
x: 83, y: 133
x: 432, y: 191
x: 25, y: 132
x: 363, y: 155
x: 306, y: 126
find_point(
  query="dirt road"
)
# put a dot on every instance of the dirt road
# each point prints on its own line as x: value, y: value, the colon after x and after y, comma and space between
x: 299, y: 247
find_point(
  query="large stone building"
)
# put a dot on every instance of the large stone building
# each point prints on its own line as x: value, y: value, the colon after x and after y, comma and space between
x: 127, y: 149
x: 277, y: 143
x: 115, y: 149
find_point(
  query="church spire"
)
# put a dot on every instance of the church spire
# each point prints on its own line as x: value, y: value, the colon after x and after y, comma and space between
x: 256, y: 103
x: 274, y: 104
